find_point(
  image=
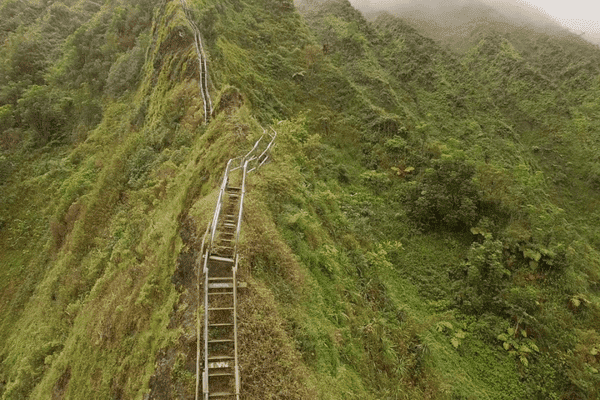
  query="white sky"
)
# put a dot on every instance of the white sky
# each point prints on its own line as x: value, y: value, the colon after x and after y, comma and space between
x: 577, y: 15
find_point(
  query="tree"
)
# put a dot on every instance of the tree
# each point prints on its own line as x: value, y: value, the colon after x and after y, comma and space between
x: 45, y: 112
x: 445, y: 196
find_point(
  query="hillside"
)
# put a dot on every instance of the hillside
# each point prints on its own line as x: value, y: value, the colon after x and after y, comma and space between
x: 425, y: 229
x: 453, y: 22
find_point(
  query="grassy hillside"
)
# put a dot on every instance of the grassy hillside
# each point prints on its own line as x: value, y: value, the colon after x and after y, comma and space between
x: 425, y: 228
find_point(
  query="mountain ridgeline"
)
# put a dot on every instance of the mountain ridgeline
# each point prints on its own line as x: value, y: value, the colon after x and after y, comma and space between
x: 426, y: 227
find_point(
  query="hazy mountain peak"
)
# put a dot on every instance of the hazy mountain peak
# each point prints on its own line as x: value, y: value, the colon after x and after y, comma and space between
x: 452, y: 21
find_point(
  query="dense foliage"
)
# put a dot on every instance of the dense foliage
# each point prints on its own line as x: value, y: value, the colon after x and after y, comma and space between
x: 425, y: 229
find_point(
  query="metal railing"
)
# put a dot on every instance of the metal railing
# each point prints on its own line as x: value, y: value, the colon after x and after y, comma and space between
x: 243, y: 161
x: 255, y: 159
x: 202, y: 63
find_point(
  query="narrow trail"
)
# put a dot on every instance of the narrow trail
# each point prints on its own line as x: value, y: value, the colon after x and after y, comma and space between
x: 202, y: 63
x: 219, y: 261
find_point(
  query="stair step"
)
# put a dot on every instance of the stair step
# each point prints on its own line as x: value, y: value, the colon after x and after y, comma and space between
x: 217, y: 248
x: 220, y: 341
x: 220, y: 308
x: 233, y: 188
x: 219, y: 365
x: 221, y: 278
x: 211, y: 358
x: 221, y: 259
x: 222, y: 324
x: 222, y: 285
x: 220, y: 394
x: 220, y: 374
x: 229, y: 225
x: 213, y: 293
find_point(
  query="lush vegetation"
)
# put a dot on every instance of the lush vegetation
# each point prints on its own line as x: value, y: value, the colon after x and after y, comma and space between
x: 425, y: 229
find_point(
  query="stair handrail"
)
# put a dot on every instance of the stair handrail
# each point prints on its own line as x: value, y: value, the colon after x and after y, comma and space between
x: 202, y: 64
x: 215, y: 219
x: 240, y: 211
x: 246, y: 156
x: 204, y: 259
x: 265, y: 154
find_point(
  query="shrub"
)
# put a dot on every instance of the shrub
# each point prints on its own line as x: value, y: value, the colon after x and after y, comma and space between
x: 485, y: 277
x: 45, y: 112
x: 138, y: 166
x: 445, y: 196
x: 124, y: 74
x: 378, y: 181
x: 6, y: 168
x: 6, y: 117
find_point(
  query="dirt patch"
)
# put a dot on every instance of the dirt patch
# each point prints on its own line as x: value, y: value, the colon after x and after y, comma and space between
x: 231, y: 99
x: 61, y: 385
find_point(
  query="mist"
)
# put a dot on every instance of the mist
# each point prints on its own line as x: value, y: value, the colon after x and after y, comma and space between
x: 445, y: 19
x: 509, y: 8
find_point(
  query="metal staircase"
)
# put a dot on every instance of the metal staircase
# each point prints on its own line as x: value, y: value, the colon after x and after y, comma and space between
x: 221, y: 375
x: 202, y: 64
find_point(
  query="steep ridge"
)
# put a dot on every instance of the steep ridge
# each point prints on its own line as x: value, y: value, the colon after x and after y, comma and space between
x: 220, y: 258
x: 425, y: 228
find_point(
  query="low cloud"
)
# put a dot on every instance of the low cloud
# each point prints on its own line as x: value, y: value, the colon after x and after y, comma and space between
x: 441, y: 16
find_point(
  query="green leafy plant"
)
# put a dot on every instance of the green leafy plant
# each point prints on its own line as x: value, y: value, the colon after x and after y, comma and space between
x: 485, y: 277
x: 457, y: 335
x: 519, y: 345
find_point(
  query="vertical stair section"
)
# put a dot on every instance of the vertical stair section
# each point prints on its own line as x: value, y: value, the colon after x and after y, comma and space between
x: 221, y: 374
x: 221, y: 371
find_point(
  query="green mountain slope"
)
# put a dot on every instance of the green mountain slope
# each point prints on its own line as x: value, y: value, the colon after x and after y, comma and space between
x: 425, y: 228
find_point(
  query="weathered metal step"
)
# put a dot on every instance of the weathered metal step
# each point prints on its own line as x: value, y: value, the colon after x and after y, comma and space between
x: 220, y: 341
x: 221, y: 278
x: 212, y: 358
x: 221, y: 285
x: 220, y: 309
x: 220, y: 394
x: 214, y: 293
x: 221, y: 259
x: 220, y: 374
x: 221, y: 324
x: 219, y: 365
